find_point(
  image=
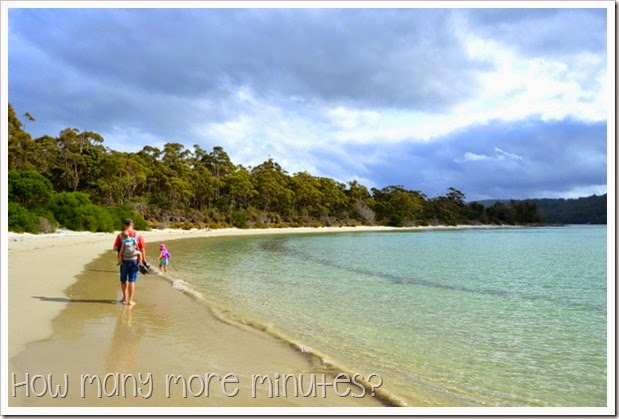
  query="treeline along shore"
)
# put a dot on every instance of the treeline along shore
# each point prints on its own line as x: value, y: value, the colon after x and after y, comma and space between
x: 75, y: 182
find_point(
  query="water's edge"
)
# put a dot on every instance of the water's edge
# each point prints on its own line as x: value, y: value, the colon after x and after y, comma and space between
x: 317, y: 360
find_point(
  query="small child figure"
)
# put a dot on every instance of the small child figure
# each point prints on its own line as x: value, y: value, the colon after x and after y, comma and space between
x: 129, y: 249
x: 164, y: 257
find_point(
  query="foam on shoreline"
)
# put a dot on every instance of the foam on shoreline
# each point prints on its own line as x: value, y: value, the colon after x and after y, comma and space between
x: 318, y: 360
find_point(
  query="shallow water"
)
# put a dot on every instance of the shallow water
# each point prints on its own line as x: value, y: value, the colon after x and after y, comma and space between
x: 499, y: 317
x: 166, y: 334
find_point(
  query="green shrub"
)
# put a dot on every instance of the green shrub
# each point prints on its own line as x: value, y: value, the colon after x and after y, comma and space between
x: 75, y: 211
x: 121, y: 213
x: 22, y: 220
x: 29, y: 189
x: 65, y: 207
x: 95, y: 219
x: 239, y: 219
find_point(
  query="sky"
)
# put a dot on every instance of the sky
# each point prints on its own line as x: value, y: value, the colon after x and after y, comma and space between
x: 507, y: 103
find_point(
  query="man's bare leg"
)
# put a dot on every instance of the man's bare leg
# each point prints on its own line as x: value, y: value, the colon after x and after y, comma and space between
x: 123, y: 288
x: 130, y: 291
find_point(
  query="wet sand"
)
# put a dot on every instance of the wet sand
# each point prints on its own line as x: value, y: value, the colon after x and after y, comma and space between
x: 65, y: 322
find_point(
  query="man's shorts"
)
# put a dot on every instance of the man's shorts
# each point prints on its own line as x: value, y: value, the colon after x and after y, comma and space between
x: 129, y: 271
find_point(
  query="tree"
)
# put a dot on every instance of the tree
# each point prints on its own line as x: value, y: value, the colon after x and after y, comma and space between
x: 271, y: 183
x: 174, y: 183
x: 29, y: 117
x: 449, y: 209
x: 175, y: 158
x: 360, y: 202
x: 456, y: 197
x: 397, y: 206
x: 220, y: 167
x: 242, y: 191
x: 121, y: 176
x: 21, y: 147
x: 79, y: 154
x: 526, y: 212
x: 29, y: 189
x: 307, y: 194
x: 500, y: 213
x: 46, y: 156
x: 333, y: 197
x: 475, y: 211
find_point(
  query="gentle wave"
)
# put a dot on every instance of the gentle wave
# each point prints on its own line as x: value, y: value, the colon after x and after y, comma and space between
x: 318, y: 362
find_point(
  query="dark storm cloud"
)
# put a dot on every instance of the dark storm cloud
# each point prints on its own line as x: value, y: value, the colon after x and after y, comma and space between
x: 500, y: 160
x: 543, y: 32
x: 342, y: 55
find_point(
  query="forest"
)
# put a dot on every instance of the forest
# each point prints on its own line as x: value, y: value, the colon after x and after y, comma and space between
x: 73, y: 181
x: 558, y: 211
x: 585, y: 210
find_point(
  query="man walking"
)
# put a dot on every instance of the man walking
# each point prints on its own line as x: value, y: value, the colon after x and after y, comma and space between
x: 129, y: 268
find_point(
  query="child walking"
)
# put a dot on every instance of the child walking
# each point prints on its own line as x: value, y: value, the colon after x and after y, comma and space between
x: 164, y: 257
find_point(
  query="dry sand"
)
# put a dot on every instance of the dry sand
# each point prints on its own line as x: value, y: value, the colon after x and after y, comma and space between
x: 64, y: 320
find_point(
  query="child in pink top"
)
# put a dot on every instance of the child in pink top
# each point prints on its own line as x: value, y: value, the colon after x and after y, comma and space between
x: 164, y: 257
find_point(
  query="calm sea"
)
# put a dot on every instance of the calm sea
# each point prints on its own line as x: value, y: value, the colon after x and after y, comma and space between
x: 485, y: 317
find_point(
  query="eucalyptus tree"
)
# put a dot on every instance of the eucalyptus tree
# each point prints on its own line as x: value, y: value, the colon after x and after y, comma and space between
x: 398, y: 206
x: 79, y: 154
x: 122, y: 175
x: 360, y: 202
x: 241, y: 190
x: 307, y: 194
x: 333, y: 203
x: 21, y: 147
x: 272, y: 184
x: 221, y: 167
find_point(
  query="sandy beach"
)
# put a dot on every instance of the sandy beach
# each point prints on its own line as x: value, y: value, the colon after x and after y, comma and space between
x: 65, y: 322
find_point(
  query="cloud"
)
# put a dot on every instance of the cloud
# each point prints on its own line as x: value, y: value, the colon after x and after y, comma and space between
x: 560, y: 156
x: 325, y: 54
x: 468, y: 156
x: 499, y: 156
x: 348, y: 119
x: 546, y: 32
x: 502, y: 155
x: 344, y: 93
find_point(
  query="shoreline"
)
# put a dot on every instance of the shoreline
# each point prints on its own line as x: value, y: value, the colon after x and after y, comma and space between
x: 66, y: 254
x: 52, y: 247
x: 313, y: 356
x: 64, y: 257
x: 77, y: 249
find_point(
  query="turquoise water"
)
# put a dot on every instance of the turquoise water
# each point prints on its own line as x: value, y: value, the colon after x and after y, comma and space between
x: 488, y: 317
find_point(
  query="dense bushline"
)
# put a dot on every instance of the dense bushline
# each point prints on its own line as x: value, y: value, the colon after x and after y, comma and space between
x: 586, y: 210
x: 73, y: 181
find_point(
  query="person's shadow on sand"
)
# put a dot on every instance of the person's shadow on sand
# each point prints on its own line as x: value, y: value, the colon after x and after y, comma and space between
x: 73, y: 300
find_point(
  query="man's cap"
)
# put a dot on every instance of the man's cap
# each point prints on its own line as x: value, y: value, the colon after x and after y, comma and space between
x: 128, y: 221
